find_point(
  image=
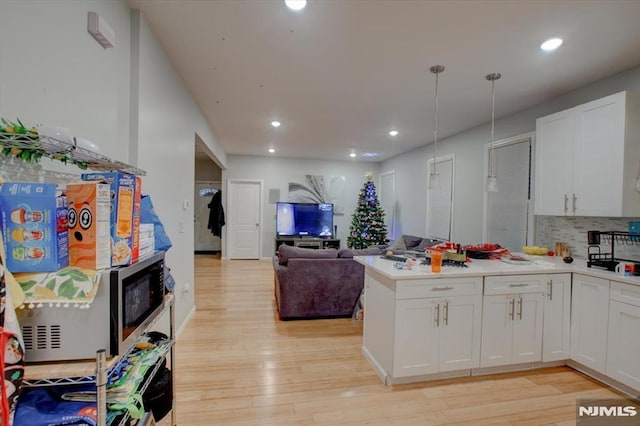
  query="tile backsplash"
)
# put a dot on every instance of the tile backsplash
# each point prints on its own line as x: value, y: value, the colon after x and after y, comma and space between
x: 573, y: 232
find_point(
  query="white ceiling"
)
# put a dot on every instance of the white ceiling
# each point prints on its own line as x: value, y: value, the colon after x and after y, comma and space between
x: 340, y: 74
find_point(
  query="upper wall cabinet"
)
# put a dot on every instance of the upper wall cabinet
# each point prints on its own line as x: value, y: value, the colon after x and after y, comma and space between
x: 587, y: 159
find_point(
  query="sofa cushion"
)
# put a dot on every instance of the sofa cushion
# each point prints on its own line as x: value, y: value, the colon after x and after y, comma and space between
x: 349, y: 253
x: 286, y: 252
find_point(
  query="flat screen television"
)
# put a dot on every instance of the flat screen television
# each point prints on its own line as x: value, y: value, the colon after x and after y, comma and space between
x: 304, y: 220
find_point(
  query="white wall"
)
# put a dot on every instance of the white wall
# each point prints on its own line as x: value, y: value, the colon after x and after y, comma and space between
x: 468, y: 148
x: 129, y: 100
x: 275, y: 173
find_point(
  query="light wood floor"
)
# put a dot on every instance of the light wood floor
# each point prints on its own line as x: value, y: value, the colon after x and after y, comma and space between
x: 236, y: 363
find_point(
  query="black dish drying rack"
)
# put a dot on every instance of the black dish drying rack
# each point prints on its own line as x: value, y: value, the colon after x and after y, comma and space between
x: 608, y: 259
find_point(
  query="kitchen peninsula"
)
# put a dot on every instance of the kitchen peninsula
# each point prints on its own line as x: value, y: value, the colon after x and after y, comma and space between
x: 492, y: 316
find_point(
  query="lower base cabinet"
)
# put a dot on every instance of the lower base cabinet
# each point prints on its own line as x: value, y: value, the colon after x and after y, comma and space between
x: 556, y: 331
x: 436, y: 335
x: 623, y: 345
x: 511, y: 329
x: 589, y: 318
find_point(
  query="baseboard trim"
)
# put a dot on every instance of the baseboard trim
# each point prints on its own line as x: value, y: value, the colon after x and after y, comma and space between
x: 189, y: 317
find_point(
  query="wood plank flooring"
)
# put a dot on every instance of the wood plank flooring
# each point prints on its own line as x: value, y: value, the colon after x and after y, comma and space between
x: 237, y: 364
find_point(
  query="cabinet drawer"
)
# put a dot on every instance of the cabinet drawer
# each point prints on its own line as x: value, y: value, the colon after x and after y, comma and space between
x: 515, y: 284
x: 439, y: 287
x: 625, y: 293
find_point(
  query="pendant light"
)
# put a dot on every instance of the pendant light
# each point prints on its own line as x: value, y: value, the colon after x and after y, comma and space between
x: 434, y: 177
x: 492, y: 179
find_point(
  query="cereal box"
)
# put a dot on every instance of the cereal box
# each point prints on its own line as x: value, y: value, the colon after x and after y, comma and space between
x: 122, y: 203
x: 89, y: 240
x: 34, y: 227
x: 135, y: 242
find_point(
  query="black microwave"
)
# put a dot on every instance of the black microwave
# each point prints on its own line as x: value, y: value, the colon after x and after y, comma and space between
x: 128, y: 299
x: 137, y: 297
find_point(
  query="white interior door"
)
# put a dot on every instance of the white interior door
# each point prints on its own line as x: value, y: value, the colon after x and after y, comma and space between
x: 508, y: 219
x: 244, y: 203
x: 440, y: 200
x: 204, y: 240
x: 388, y: 201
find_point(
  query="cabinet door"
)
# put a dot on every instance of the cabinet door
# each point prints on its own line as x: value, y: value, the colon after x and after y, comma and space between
x: 589, y: 317
x: 623, y: 347
x: 415, y: 350
x: 557, y: 318
x: 554, y: 163
x: 497, y: 330
x: 599, y: 153
x: 378, y: 327
x: 460, y: 327
x: 527, y: 328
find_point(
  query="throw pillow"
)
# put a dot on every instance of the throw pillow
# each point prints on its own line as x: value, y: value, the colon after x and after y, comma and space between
x: 411, y: 241
x: 286, y: 252
x: 398, y: 245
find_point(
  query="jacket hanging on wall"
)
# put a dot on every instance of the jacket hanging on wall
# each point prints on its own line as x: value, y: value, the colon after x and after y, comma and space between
x: 216, y: 214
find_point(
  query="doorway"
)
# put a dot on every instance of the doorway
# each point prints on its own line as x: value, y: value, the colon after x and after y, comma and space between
x: 204, y: 242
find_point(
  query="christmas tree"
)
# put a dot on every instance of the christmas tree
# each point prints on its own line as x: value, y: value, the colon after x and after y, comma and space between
x: 367, y: 223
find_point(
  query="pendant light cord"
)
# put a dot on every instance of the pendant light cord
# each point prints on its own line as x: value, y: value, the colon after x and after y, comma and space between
x: 436, y: 69
x: 493, y: 109
x: 435, y: 131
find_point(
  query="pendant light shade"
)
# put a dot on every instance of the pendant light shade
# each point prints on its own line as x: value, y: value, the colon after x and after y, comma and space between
x: 434, y: 177
x: 492, y: 178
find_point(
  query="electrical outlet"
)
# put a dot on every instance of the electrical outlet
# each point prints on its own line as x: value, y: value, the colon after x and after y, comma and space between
x: 181, y: 227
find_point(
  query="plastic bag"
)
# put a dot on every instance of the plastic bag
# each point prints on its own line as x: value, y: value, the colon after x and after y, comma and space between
x: 148, y: 215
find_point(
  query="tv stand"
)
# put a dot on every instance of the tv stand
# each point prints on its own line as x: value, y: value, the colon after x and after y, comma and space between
x: 308, y: 242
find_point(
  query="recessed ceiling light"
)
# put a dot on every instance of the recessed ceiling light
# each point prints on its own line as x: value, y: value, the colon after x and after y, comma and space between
x: 271, y: 150
x: 295, y: 4
x: 393, y: 133
x: 551, y: 44
x: 370, y: 154
x: 275, y: 123
x: 352, y: 155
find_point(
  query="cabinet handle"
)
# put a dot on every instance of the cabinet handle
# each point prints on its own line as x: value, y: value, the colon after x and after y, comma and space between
x: 566, y: 202
x: 438, y: 315
x: 550, y: 289
x: 574, y: 202
x: 512, y: 308
x: 445, y: 288
x: 446, y: 313
x: 520, y: 307
x: 519, y: 285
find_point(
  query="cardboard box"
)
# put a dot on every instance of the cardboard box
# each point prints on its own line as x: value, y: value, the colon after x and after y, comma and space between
x: 135, y: 242
x: 122, y: 198
x: 34, y: 227
x: 89, y: 224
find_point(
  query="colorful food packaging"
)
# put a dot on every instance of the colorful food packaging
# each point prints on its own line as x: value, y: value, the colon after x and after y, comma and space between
x: 122, y: 198
x: 89, y: 224
x: 34, y: 227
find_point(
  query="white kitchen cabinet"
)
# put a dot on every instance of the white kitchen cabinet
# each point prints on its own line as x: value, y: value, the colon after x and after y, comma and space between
x: 589, y: 318
x: 557, y: 318
x: 623, y: 345
x: 511, y: 329
x: 586, y: 159
x: 436, y: 335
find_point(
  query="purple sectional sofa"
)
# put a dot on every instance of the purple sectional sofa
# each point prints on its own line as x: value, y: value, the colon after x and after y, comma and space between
x: 312, y: 283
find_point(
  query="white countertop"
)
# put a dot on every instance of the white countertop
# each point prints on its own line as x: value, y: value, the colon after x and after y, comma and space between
x: 478, y: 267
